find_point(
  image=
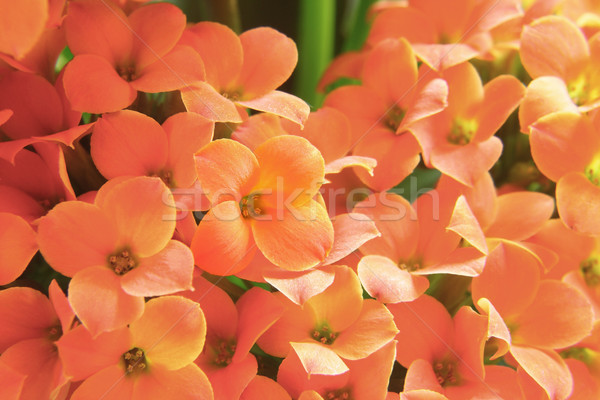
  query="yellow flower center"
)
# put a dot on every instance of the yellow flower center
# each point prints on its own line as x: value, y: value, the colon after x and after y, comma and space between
x: 462, y: 131
x: 324, y: 334
x: 122, y: 261
x: 134, y: 361
x: 583, y: 89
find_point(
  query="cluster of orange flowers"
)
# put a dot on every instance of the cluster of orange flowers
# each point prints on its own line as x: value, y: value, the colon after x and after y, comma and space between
x: 224, y: 242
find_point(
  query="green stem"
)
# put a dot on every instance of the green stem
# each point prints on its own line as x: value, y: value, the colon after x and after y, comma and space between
x: 315, y: 46
x: 226, y: 12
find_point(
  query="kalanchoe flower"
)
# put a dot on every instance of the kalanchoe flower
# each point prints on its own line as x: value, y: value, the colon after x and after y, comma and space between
x: 118, y: 55
x: 262, y: 200
x: 118, y: 249
x: 152, y: 358
x: 242, y: 72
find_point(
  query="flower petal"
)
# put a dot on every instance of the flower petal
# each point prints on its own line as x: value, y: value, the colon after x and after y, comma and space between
x: 545, y: 95
x: 110, y: 383
x: 269, y: 59
x: 292, y: 166
x: 295, y: 239
x: 100, y: 304
x: 221, y: 50
x: 261, y: 385
x: 203, y: 99
x: 168, y: 271
x: 318, y: 359
x: 171, y: 331
x: 75, y: 235
x: 128, y: 143
x: 223, y: 243
x: 92, y: 85
x: 559, y: 316
x: 145, y: 223
x: 157, y: 29
x: 17, y: 246
x: 257, y: 311
x: 351, y: 231
x: 280, y: 103
x: 547, y: 369
x: 21, y: 26
x: 386, y: 282
x: 299, y: 286
x: 373, y: 329
x: 579, y: 212
x: 227, y: 170
x: 25, y: 314
x: 179, y: 68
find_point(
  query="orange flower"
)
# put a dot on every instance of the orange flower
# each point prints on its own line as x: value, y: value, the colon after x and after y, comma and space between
x: 153, y: 358
x: 417, y: 243
x: 242, y: 72
x: 45, y: 117
x: 566, y: 148
x: 333, y: 147
x: 533, y: 318
x: 118, y: 249
x: 262, y: 200
x: 393, y: 97
x: 232, y: 331
x: 442, y: 353
x: 366, y: 379
x: 35, y: 183
x: 30, y: 326
x: 117, y: 55
x: 444, y: 34
x: 563, y: 64
x: 466, y: 128
x: 332, y: 325
x: 165, y: 151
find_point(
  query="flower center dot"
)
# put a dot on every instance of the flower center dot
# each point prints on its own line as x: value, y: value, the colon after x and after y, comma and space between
x: 135, y: 360
x: 462, y: 131
x: 250, y: 206
x: 340, y: 394
x: 224, y: 352
x: 445, y: 372
x: 324, y: 334
x: 122, y: 262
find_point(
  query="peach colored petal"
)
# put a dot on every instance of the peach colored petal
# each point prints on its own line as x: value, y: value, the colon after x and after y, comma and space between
x: 128, y: 143
x: 519, y: 215
x: 92, y: 85
x: 280, y: 103
x: 99, y: 302
x: 553, y: 46
x: 227, y: 170
x: 168, y: 271
x: 203, y: 99
x: 261, y: 385
x: 386, y: 282
x: 293, y: 238
x: 547, y: 369
x: 580, y: 212
x: 257, y: 310
x: 22, y: 24
x: 110, y: 382
x: 76, y: 235
x: 544, y: 95
x: 145, y: 223
x: 17, y: 246
x: 221, y: 50
x: 351, y: 231
x: 559, y: 316
x: 269, y: 59
x: 187, y: 383
x: 340, y: 304
x: 318, y: 359
x: 373, y: 329
x: 299, y: 286
x: 223, y: 243
x: 83, y: 355
x: 171, y: 331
